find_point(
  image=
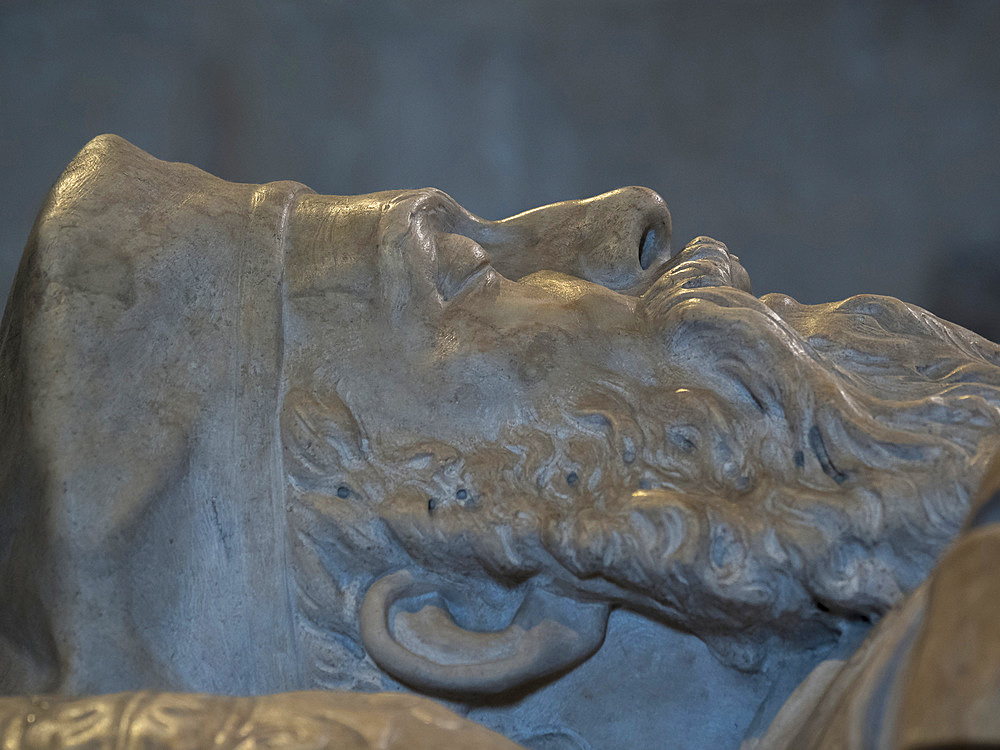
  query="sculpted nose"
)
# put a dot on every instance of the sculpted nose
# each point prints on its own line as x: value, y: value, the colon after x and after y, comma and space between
x: 618, y: 239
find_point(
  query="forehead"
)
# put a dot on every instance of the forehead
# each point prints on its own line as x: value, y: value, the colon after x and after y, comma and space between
x: 331, y: 241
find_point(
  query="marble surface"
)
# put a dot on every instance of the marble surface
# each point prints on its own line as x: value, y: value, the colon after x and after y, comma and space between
x: 565, y: 476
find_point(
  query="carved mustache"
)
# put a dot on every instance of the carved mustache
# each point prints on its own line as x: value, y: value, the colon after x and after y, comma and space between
x: 703, y: 262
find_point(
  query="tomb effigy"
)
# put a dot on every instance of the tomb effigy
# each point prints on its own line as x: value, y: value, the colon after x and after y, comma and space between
x: 273, y: 457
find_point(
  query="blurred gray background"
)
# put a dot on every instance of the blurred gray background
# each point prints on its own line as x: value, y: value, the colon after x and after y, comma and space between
x: 836, y: 147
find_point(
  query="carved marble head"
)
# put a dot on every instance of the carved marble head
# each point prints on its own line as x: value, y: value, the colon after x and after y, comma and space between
x: 560, y: 402
x: 377, y: 434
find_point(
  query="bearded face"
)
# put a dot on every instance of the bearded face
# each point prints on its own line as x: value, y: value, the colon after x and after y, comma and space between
x: 555, y: 405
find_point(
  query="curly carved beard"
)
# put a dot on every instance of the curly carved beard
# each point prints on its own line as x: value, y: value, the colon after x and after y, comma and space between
x: 794, y: 463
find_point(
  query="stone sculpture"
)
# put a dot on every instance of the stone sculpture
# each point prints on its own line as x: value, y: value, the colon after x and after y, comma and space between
x: 585, y: 490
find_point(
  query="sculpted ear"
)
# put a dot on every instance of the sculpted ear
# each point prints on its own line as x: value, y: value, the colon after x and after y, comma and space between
x: 426, y: 649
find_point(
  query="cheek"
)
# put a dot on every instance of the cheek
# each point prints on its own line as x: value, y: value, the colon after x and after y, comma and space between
x: 538, y: 364
x: 522, y: 366
x: 540, y: 359
x: 457, y: 396
x: 514, y: 354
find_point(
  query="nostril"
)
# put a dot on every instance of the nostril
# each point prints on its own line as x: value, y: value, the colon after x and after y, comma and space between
x: 647, y: 247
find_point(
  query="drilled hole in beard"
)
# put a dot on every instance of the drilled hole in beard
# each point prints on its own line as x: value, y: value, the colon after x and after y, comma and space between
x: 647, y: 248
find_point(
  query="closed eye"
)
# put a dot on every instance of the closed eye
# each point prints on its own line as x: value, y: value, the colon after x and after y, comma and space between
x: 462, y: 264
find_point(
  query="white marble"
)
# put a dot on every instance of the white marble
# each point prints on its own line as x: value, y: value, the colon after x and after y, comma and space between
x: 261, y: 440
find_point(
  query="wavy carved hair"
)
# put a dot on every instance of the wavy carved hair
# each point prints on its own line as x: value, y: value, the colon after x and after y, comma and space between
x: 797, y: 463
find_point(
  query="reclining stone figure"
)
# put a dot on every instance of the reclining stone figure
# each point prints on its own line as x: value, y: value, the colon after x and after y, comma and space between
x: 583, y: 488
